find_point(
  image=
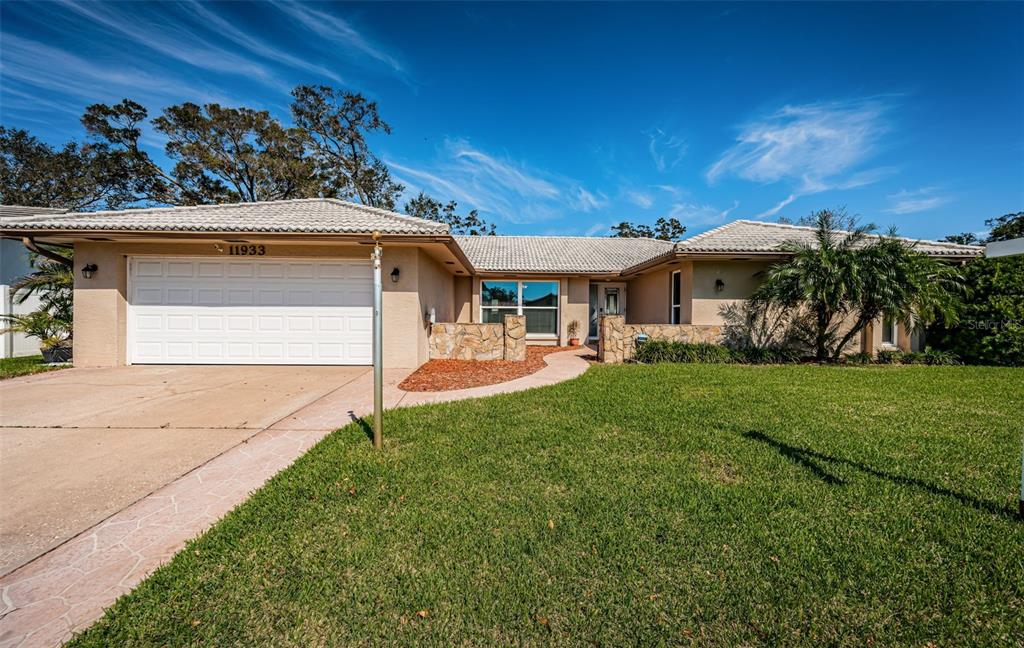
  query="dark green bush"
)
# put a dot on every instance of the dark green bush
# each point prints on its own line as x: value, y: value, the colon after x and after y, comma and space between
x: 861, y: 358
x: 991, y: 327
x: 938, y: 357
x: 654, y: 351
x: 890, y: 356
x: 766, y: 355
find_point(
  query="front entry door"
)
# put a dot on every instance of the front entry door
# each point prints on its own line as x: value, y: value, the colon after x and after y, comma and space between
x: 606, y: 299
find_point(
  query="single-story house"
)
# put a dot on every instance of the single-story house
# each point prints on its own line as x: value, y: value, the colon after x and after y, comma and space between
x: 289, y: 282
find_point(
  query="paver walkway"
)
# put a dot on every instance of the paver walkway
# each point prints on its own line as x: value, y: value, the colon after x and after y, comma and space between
x: 64, y: 591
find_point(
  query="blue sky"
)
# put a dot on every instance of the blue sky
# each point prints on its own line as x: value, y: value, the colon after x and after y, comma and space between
x: 567, y: 118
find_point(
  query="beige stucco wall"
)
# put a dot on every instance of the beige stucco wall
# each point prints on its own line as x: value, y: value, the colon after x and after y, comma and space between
x: 649, y: 298
x: 651, y: 295
x: 740, y: 282
x: 101, y: 303
x: 575, y: 298
x: 436, y: 290
x: 463, y: 288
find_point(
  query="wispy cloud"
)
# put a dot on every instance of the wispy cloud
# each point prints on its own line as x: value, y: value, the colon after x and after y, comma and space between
x: 768, y: 213
x: 49, y: 68
x: 339, y: 32
x: 666, y: 150
x: 671, y: 190
x: 182, y: 42
x: 811, y: 147
x: 700, y: 214
x: 255, y: 45
x: 595, y: 229
x: 640, y: 199
x: 587, y: 201
x: 811, y: 143
x: 919, y: 200
x: 497, y: 185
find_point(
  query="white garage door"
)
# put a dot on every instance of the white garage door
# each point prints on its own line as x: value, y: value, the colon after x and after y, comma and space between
x: 266, y: 311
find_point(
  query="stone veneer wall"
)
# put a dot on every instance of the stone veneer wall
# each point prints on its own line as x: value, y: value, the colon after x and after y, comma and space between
x: 616, y: 339
x: 515, y: 337
x: 477, y: 341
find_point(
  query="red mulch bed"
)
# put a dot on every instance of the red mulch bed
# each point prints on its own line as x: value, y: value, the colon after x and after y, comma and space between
x: 446, y: 375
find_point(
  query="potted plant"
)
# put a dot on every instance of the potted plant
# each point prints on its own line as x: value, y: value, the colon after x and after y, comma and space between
x: 54, y: 333
x: 573, y: 329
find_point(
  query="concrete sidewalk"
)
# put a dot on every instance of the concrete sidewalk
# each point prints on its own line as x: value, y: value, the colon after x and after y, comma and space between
x: 64, y: 591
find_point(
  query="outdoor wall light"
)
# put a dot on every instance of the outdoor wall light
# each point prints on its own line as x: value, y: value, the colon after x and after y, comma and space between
x: 88, y: 270
x: 394, y: 275
x: 719, y: 285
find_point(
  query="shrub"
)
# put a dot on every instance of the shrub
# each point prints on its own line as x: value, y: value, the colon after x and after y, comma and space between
x: 938, y: 357
x: 912, y: 358
x: 654, y: 351
x: 767, y: 355
x: 861, y: 358
x: 991, y: 329
x: 889, y: 357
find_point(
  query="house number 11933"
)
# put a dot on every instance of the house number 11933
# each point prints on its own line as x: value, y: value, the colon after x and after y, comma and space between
x: 247, y: 250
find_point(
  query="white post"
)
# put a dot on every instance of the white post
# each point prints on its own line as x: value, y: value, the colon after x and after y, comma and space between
x: 378, y: 336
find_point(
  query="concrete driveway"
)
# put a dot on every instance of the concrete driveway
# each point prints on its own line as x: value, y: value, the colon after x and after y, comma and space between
x: 81, y: 444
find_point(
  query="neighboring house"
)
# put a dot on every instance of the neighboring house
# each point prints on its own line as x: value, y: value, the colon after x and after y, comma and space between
x: 1011, y: 247
x: 14, y: 264
x: 289, y: 282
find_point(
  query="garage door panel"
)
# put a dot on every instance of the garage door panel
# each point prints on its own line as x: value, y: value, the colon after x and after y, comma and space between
x: 208, y: 270
x: 240, y: 270
x: 249, y: 312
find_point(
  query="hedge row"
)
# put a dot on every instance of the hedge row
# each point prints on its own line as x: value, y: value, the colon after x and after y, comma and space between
x: 655, y: 351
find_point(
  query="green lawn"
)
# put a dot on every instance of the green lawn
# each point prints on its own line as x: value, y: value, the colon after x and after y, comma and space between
x: 14, y: 367
x: 715, y: 505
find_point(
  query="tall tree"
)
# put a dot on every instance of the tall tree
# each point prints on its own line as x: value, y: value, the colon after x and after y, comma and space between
x: 963, y: 238
x: 1005, y: 227
x: 423, y: 206
x: 74, y: 177
x: 844, y: 280
x: 669, y: 229
x: 337, y: 124
x: 224, y: 154
x: 221, y: 154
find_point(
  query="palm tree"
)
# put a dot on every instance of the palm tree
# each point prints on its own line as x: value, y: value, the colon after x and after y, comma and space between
x: 53, y: 282
x: 846, y: 278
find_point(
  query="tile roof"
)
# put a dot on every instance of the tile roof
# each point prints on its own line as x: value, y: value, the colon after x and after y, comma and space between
x: 757, y: 236
x: 557, y: 254
x: 313, y: 215
x: 22, y: 211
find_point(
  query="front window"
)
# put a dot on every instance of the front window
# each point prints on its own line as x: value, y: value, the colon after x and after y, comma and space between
x: 889, y: 331
x: 537, y: 300
x: 676, y: 291
x: 498, y: 299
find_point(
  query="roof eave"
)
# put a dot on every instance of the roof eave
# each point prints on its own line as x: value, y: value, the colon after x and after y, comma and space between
x: 135, y: 234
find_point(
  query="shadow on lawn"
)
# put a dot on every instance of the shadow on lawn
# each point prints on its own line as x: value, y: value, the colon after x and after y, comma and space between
x: 808, y: 459
x: 367, y: 428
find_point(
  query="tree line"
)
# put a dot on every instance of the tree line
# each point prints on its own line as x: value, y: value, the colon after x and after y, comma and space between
x: 217, y: 154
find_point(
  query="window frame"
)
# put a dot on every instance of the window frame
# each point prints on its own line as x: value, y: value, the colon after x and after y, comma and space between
x: 675, y: 297
x: 519, y: 308
x: 893, y: 327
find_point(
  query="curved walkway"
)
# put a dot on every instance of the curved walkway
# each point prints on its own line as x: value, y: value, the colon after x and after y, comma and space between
x: 64, y: 591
